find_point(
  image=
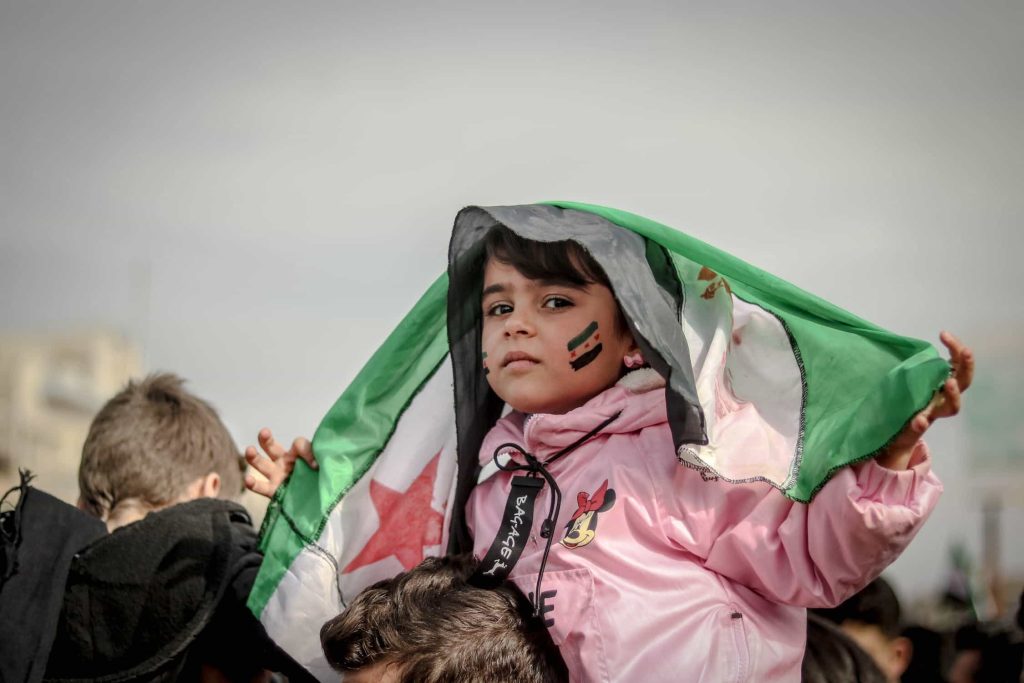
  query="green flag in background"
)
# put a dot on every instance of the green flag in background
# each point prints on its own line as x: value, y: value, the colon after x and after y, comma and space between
x: 752, y: 359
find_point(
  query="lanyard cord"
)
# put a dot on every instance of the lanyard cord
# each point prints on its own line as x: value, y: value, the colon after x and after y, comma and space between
x: 535, y: 467
x: 10, y: 527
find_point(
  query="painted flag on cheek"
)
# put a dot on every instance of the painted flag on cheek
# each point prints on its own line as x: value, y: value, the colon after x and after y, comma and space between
x: 584, y: 347
x: 765, y: 382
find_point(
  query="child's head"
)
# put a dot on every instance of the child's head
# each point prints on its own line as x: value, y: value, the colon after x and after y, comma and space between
x: 429, y: 624
x: 832, y: 656
x: 553, y: 334
x: 154, y: 444
x: 871, y: 617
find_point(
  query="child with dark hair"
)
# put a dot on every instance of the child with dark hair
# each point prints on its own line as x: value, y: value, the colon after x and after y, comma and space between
x: 687, y: 576
x: 871, y: 617
x: 595, y: 366
x: 148, y: 579
x: 832, y: 656
x: 432, y: 625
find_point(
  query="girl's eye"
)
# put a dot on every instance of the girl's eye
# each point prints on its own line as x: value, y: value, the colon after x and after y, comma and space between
x: 499, y: 309
x: 557, y: 302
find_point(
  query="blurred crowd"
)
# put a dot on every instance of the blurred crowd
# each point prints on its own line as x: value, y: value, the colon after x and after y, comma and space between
x: 866, y: 638
x: 147, y: 579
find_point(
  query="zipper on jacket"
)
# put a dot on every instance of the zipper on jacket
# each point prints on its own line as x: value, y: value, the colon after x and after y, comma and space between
x: 742, y: 647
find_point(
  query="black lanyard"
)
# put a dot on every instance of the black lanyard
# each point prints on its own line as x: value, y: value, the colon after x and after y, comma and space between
x: 10, y: 527
x: 517, y: 520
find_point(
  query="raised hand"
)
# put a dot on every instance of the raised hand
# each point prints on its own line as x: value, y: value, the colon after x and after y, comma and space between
x: 277, y: 464
x: 945, y: 403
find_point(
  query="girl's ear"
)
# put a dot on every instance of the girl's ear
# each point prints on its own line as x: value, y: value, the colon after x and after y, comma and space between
x: 625, y: 336
x: 633, y: 357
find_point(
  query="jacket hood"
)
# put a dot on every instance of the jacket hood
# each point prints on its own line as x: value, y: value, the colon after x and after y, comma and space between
x: 137, y: 599
x: 645, y: 285
x: 637, y: 402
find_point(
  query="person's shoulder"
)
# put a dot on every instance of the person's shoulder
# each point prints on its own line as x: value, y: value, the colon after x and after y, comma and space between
x: 208, y: 507
x: 41, y: 536
x: 222, y: 521
x: 167, y: 575
x: 211, y: 531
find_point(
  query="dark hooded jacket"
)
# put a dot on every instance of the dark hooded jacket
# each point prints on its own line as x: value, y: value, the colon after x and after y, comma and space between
x: 156, y: 600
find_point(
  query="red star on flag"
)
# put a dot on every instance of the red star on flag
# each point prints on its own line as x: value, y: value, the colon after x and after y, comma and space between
x: 408, y: 523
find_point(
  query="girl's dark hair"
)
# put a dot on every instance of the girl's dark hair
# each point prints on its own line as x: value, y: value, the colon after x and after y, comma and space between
x: 564, y: 261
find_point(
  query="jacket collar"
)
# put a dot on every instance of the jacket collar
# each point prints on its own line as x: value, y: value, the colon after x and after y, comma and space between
x: 639, y: 397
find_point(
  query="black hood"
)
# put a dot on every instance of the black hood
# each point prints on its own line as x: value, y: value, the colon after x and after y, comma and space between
x: 643, y: 280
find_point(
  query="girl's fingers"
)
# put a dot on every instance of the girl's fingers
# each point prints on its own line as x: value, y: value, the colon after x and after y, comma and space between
x: 302, y: 448
x: 961, y: 358
x: 259, y: 486
x: 916, y: 428
x: 269, y: 445
x: 937, y: 404
x: 950, y: 404
x: 951, y: 341
x: 964, y: 371
x: 265, y: 466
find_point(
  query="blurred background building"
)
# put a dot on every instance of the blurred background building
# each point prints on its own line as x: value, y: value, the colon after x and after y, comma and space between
x: 51, y: 385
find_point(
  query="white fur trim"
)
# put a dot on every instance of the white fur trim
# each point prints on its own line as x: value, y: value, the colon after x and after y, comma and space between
x: 641, y: 380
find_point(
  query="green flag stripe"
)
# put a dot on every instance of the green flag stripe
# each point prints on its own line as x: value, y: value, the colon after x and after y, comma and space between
x: 582, y: 336
x: 281, y: 545
x: 845, y: 420
x: 351, y: 436
x: 760, y: 286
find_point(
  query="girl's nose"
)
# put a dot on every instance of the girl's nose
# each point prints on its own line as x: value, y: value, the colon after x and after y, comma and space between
x: 519, y: 324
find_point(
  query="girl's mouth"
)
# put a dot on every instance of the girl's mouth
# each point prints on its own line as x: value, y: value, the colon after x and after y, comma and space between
x: 517, y: 360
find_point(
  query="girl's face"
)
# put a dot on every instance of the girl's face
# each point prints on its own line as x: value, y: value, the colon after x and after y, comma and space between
x: 549, y: 346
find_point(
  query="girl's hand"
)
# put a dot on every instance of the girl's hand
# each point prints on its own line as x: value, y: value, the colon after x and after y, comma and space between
x: 944, y: 403
x: 278, y: 464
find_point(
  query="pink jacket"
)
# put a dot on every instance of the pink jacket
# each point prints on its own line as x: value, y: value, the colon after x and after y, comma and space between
x: 658, y: 575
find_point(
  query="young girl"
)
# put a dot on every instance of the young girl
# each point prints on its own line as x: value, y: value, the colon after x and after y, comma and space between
x: 650, y: 569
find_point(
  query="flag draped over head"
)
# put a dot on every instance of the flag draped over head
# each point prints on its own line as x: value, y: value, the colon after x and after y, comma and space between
x: 764, y: 382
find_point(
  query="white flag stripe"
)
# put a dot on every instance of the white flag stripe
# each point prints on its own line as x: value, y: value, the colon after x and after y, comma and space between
x: 748, y: 382
x: 298, y: 608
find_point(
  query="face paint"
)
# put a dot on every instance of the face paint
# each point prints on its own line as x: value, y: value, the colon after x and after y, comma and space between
x: 587, y: 358
x: 484, y: 361
x: 584, y: 347
x: 583, y: 336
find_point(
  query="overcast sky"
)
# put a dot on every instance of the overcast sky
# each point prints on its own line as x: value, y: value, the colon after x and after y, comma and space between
x: 257, y: 192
